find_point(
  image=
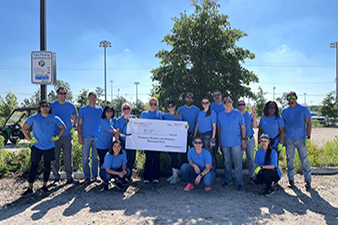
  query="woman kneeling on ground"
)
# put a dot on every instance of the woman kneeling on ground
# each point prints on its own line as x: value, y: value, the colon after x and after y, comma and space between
x: 199, y: 167
x: 267, y: 170
x: 115, y: 166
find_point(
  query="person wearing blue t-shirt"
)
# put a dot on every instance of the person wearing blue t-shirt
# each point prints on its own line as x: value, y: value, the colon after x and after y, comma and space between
x: 199, y: 169
x: 45, y: 125
x: 273, y: 125
x: 65, y: 110
x: 250, y: 123
x: 88, y: 129
x: 297, y: 120
x: 173, y: 115
x: 217, y: 107
x: 206, y: 128
x: 189, y: 113
x: 267, y: 170
x: 107, y: 131
x: 231, y: 133
x: 121, y: 126
x: 152, y: 164
x: 115, y: 166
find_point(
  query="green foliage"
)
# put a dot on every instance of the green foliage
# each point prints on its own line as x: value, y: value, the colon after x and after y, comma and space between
x: 315, y: 123
x: 329, y: 107
x: 282, y: 100
x: 99, y: 91
x: 260, y: 102
x: 139, y: 161
x: 77, y: 153
x: 203, y: 57
x: 8, y: 104
x: 82, y: 99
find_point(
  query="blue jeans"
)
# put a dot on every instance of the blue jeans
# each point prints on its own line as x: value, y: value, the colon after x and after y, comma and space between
x: 290, y: 145
x: 233, y: 154
x: 250, y: 152
x: 89, y: 142
x: 189, y: 175
x: 107, y: 176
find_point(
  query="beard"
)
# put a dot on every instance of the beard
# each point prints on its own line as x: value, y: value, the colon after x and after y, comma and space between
x: 188, y: 103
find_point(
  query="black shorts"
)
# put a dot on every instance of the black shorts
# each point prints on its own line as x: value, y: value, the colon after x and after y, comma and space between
x: 36, y: 154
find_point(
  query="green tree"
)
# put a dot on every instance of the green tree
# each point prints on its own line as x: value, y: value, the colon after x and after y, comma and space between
x: 33, y: 101
x: 99, y: 91
x: 203, y: 57
x: 8, y: 104
x: 282, y: 100
x: 260, y: 101
x: 82, y: 99
x: 329, y: 108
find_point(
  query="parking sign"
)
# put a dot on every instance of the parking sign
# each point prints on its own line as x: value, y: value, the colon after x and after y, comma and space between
x: 42, y: 67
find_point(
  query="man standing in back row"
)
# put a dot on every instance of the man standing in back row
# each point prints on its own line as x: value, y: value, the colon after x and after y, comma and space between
x: 64, y: 110
x: 297, y: 135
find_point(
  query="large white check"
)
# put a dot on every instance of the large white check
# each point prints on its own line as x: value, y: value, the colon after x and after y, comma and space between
x: 157, y: 135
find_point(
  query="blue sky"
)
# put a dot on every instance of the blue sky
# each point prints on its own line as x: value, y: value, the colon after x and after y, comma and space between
x: 289, y: 38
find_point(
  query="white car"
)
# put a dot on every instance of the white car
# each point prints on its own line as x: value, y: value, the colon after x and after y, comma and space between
x: 320, y: 119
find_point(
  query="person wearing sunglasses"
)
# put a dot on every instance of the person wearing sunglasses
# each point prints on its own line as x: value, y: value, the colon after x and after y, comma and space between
x: 121, y: 127
x: 65, y: 110
x: 107, y: 131
x: 217, y: 107
x: 45, y: 126
x: 189, y: 113
x: 231, y: 133
x: 206, y: 128
x: 250, y: 123
x: 88, y: 130
x: 173, y: 115
x: 199, y: 167
x: 297, y: 120
x: 152, y: 164
x: 273, y: 125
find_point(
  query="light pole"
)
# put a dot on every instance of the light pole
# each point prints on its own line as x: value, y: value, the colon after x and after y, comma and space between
x: 304, y: 98
x: 274, y: 93
x: 111, y: 87
x: 105, y: 44
x: 335, y: 45
x: 136, y: 83
x: 118, y: 93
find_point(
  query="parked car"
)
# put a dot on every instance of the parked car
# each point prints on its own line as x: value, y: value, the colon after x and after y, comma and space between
x: 320, y: 119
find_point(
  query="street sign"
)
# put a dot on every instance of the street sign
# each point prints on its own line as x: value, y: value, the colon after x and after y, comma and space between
x: 42, y: 67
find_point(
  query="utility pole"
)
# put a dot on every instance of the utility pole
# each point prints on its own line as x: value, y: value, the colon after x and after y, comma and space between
x: 111, y: 87
x: 136, y: 83
x: 304, y: 98
x: 118, y: 93
x: 335, y: 45
x: 43, y: 41
x: 274, y: 93
x: 105, y: 44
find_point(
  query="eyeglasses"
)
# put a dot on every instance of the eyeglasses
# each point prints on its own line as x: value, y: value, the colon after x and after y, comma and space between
x: 225, y: 102
x: 291, y: 96
x: 241, y: 104
x: 198, y: 142
x: 62, y: 93
x: 109, y: 111
x: 216, y: 95
x: 205, y: 103
x: 153, y: 104
x: 44, y: 106
x: 126, y: 108
x: 170, y: 106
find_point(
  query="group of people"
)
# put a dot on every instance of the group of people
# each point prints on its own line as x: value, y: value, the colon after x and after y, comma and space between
x: 217, y: 126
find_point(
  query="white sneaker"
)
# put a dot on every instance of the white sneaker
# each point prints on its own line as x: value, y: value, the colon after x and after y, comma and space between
x: 146, y: 181
x: 156, y: 181
x: 170, y: 178
x: 174, y: 180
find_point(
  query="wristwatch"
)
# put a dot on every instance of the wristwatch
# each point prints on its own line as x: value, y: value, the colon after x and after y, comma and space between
x: 244, y: 139
x: 308, y: 137
x: 201, y: 174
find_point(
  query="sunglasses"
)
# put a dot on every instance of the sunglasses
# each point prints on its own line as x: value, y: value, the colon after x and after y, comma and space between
x: 241, y: 104
x: 205, y: 103
x: 291, y: 96
x: 62, y: 93
x: 225, y: 102
x: 127, y: 108
x: 215, y: 95
x: 272, y: 107
x: 109, y: 111
x: 198, y: 142
x: 190, y: 98
x: 44, y: 106
x: 170, y: 106
x: 153, y: 104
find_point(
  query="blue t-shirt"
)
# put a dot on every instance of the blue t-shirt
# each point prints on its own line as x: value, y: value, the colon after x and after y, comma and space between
x: 105, y: 138
x: 156, y: 115
x: 114, y: 162
x: 230, y: 124
x: 248, y: 124
x: 205, y: 123
x: 122, y: 124
x: 65, y: 112
x: 260, y: 157
x: 294, y: 118
x: 217, y: 108
x: 43, y: 129
x: 189, y: 115
x: 167, y: 116
x: 270, y: 126
x: 200, y: 159
x: 91, y: 117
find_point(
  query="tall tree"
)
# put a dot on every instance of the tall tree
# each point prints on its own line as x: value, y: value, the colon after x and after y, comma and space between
x: 329, y: 108
x: 8, y: 104
x: 282, y: 100
x: 203, y: 57
x: 99, y: 91
x: 260, y: 101
x: 82, y: 99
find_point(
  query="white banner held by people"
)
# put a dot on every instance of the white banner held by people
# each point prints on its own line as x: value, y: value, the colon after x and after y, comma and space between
x: 157, y: 135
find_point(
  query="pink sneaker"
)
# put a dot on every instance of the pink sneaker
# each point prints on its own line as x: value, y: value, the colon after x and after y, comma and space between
x: 207, y: 188
x: 189, y: 187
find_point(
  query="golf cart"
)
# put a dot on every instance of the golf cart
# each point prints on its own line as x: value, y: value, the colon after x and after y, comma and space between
x: 11, y: 130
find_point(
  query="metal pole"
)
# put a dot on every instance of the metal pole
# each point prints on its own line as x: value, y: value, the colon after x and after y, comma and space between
x: 335, y: 45
x: 43, y: 41
x: 136, y: 83
x: 118, y: 93
x: 304, y: 98
x: 105, y: 78
x: 274, y: 93
x: 111, y: 82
